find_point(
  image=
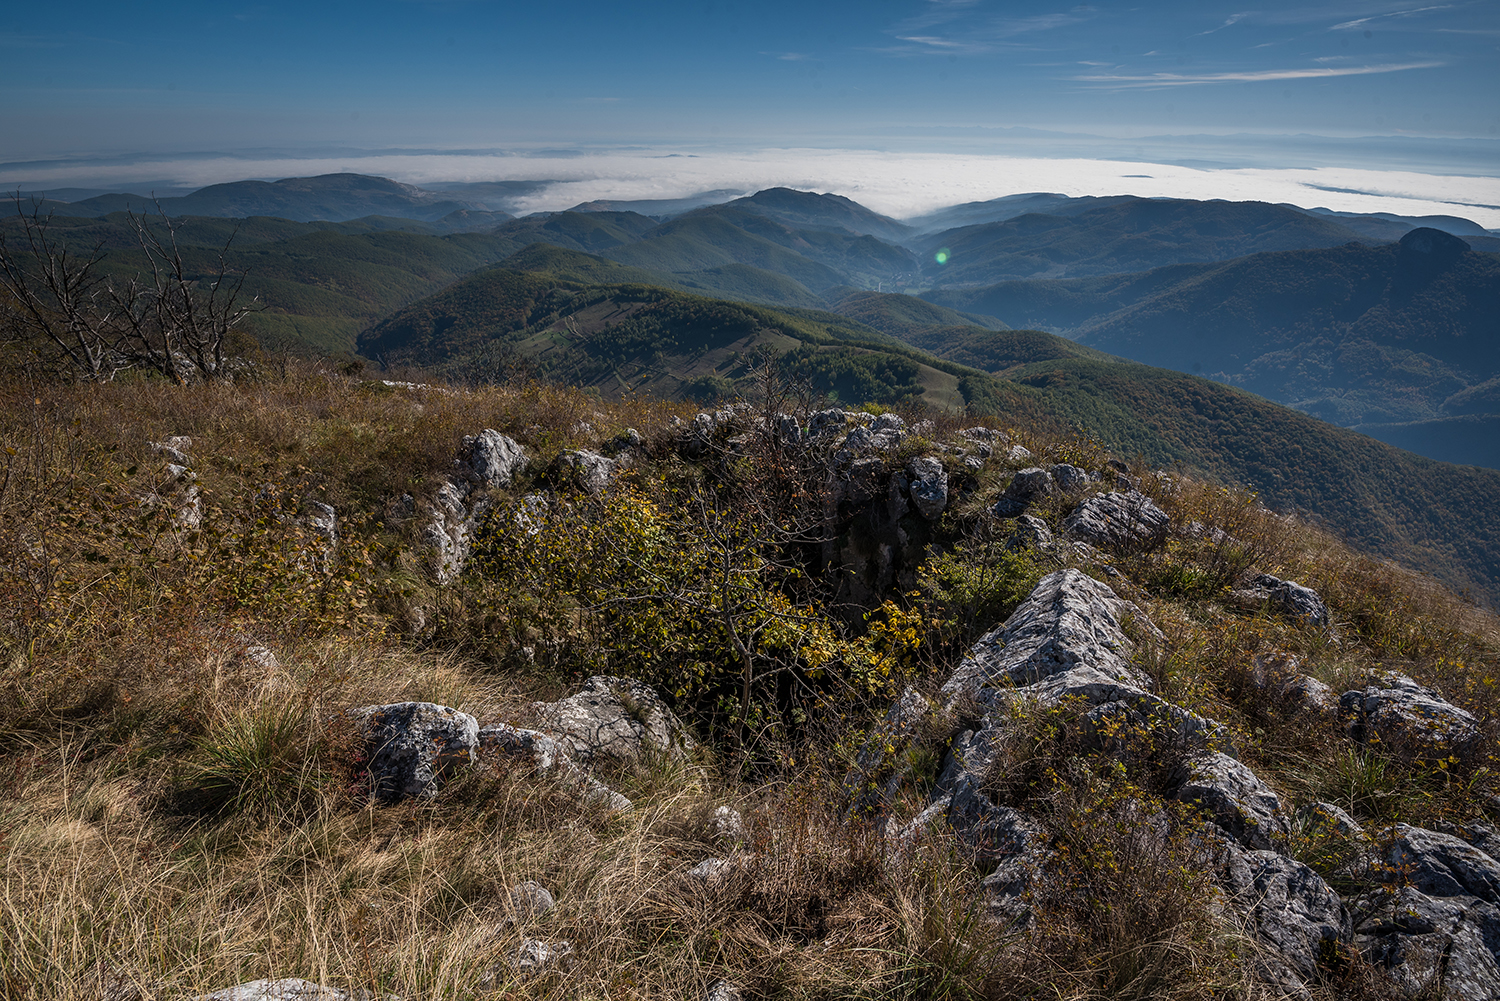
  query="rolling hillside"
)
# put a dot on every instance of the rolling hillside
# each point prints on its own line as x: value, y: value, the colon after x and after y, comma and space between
x: 1129, y: 235
x: 623, y: 339
x: 1375, y: 337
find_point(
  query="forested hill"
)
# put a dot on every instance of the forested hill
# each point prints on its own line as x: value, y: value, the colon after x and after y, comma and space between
x: 639, y: 339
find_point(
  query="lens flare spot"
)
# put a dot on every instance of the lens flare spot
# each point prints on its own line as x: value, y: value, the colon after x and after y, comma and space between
x: 941, y: 256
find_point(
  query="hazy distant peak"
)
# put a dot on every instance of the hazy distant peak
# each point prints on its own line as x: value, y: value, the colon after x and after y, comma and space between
x: 810, y: 210
x: 1433, y: 243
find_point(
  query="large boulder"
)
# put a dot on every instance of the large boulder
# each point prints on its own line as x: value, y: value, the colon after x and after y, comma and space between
x: 1289, y: 910
x: 1025, y: 488
x: 1122, y: 520
x: 1443, y: 865
x: 411, y: 747
x: 1235, y: 798
x: 490, y: 459
x: 1067, y: 638
x: 1438, y: 947
x: 928, y: 486
x: 1068, y: 478
x: 1407, y: 719
x: 619, y: 718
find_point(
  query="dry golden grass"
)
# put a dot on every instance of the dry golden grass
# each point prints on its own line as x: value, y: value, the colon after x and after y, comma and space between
x: 178, y: 815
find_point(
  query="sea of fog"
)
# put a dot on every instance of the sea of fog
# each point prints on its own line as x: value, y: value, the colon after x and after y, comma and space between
x: 901, y: 184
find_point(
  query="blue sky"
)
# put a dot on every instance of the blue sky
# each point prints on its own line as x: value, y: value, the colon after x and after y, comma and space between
x: 116, y: 76
x: 162, y: 79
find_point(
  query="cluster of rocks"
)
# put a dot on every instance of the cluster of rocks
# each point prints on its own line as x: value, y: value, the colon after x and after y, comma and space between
x: 530, y: 957
x: 1432, y: 919
x: 411, y: 748
x: 178, y: 488
x: 485, y: 462
x: 489, y: 461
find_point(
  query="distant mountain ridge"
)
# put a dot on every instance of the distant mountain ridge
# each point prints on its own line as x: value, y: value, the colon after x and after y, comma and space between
x: 1375, y: 337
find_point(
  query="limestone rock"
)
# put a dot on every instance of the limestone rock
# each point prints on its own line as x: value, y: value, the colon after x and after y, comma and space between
x: 1327, y: 818
x: 1291, y: 912
x: 1069, y: 629
x: 412, y: 746
x: 324, y: 521
x: 277, y: 990
x: 711, y: 870
x: 1235, y: 798
x: 928, y: 487
x: 176, y: 450
x: 625, y: 441
x: 1018, y: 454
x: 827, y: 425
x: 1118, y: 521
x: 1291, y: 599
x: 1069, y: 479
x: 726, y: 824
x: 1407, y: 719
x: 1442, y: 865
x: 1432, y: 947
x: 449, y: 529
x: 723, y: 990
x: 1030, y: 532
x: 588, y: 471
x: 485, y: 461
x: 1025, y: 488
x: 491, y: 459
x: 618, y: 718
x: 528, y: 901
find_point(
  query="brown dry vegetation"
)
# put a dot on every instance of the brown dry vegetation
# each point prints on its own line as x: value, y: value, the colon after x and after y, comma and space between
x: 177, y: 815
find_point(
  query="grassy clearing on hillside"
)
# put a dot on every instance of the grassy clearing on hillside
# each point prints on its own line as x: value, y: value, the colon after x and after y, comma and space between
x: 180, y: 813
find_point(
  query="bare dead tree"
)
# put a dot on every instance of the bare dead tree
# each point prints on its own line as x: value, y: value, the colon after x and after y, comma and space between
x: 169, y: 318
x: 57, y: 297
x: 178, y: 322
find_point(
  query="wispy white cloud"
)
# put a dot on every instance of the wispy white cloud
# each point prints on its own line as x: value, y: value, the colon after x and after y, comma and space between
x: 1231, y: 20
x: 962, y: 33
x: 1360, y: 23
x: 1126, y: 81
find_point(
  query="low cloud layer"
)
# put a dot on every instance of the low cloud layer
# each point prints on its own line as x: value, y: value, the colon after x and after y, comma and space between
x: 899, y: 184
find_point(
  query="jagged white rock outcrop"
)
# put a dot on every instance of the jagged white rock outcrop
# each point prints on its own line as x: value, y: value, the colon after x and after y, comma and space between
x: 1067, y: 638
x: 1121, y: 520
x: 1293, y: 915
x: 614, y: 718
x: 485, y: 461
x: 1407, y: 718
x: 277, y: 990
x: 411, y: 747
